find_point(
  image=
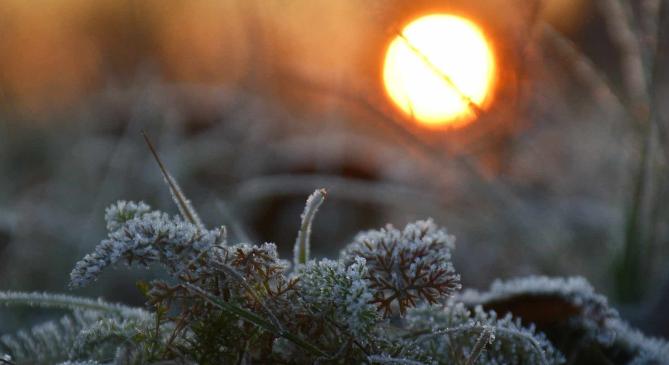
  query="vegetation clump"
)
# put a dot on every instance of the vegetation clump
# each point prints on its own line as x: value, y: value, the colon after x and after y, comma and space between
x: 391, y: 298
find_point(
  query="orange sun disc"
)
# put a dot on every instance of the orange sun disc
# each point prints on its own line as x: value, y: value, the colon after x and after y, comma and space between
x: 439, y: 70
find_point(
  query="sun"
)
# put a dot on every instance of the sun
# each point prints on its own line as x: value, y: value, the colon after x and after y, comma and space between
x: 439, y: 70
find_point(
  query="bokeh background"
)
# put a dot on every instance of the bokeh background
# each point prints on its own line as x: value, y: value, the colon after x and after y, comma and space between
x: 255, y: 103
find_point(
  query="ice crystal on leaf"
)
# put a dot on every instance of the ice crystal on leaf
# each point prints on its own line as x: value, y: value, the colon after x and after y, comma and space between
x: 574, y: 290
x: 122, y: 211
x: 332, y: 290
x: 138, y: 234
x: 390, y: 299
x: 406, y: 267
x: 642, y: 350
x: 453, y: 332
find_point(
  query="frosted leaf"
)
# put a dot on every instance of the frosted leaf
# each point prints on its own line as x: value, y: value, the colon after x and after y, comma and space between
x: 105, y: 335
x: 406, y: 267
x: 339, y: 292
x: 47, y: 342
x: 454, y: 332
x: 571, y: 300
x: 122, y: 211
x: 302, y: 247
x: 644, y: 350
x: 139, y: 235
x: 61, y: 301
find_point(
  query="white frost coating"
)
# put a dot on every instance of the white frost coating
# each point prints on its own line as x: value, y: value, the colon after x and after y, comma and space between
x: 342, y: 292
x: 407, y: 266
x: 575, y: 290
x: 49, y: 341
x: 47, y: 300
x: 512, y: 343
x: 89, y: 338
x: 572, y: 287
x: 122, y: 211
x: 138, y: 234
x: 302, y: 247
x: 647, y: 350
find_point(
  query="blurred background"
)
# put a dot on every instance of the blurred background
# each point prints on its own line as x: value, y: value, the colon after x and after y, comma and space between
x: 253, y: 104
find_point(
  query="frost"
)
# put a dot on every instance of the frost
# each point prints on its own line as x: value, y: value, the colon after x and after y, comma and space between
x: 122, y: 211
x: 456, y: 328
x: 587, y: 309
x: 302, y: 243
x: 138, y: 234
x: 339, y: 292
x: 61, y: 301
x: 645, y: 350
x: 576, y: 290
x: 238, y: 303
x: 406, y: 267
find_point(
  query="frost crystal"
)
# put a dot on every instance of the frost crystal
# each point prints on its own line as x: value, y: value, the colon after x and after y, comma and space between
x: 122, y: 211
x: 574, y: 289
x: 574, y: 296
x: 645, y: 350
x: 238, y: 304
x: 302, y: 243
x: 406, y: 267
x: 339, y: 292
x: 456, y: 327
x: 138, y: 234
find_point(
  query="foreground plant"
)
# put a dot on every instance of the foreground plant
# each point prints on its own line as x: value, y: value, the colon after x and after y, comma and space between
x: 391, y: 298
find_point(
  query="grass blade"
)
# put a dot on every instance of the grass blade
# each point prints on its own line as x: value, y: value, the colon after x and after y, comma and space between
x: 302, y: 243
x: 185, y: 207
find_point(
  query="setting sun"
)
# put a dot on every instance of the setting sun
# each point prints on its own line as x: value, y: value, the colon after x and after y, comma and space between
x: 439, y: 70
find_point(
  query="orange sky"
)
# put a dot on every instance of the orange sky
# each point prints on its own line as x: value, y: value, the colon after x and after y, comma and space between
x: 57, y: 52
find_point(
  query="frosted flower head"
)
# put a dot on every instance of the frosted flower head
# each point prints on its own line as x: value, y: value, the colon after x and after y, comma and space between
x: 406, y: 267
x: 122, y: 211
x: 331, y: 289
x: 256, y: 262
x: 137, y: 234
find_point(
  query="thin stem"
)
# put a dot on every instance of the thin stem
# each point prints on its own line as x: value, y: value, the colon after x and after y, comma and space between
x: 185, y: 207
x: 302, y: 243
x: 486, y: 337
x: 255, y: 319
x: 46, y: 300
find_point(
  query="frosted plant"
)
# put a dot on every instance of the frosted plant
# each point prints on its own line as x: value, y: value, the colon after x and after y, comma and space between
x: 55, y: 341
x: 332, y: 290
x: 451, y: 336
x: 49, y: 341
x: 574, y: 290
x: 302, y: 244
x: 68, y: 302
x: 105, y: 335
x: 239, y: 303
x: 138, y: 234
x: 575, y: 308
x: 571, y: 310
x: 122, y: 211
x: 406, y: 267
x: 640, y: 349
